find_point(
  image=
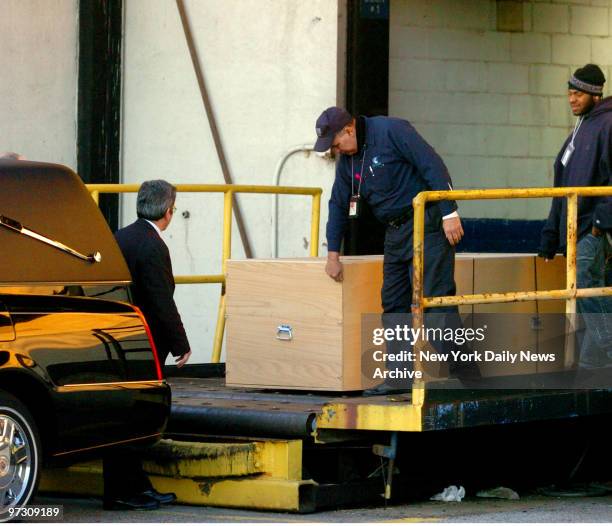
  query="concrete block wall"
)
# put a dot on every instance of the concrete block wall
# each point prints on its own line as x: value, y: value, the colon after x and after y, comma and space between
x: 485, y: 81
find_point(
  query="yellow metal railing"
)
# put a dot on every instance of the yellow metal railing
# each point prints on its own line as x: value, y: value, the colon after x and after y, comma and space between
x: 228, y: 192
x: 570, y: 293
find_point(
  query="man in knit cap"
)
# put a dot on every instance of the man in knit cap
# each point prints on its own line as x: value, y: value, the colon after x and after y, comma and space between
x: 585, y: 159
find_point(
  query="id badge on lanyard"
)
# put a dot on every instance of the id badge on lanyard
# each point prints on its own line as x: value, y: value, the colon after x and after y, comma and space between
x: 355, y: 201
x: 354, y: 206
x: 567, y: 154
x: 569, y: 150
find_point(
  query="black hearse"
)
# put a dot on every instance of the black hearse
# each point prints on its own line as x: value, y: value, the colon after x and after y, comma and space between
x: 78, y: 368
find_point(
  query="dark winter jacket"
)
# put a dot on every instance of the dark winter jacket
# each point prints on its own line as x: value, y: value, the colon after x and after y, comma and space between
x: 589, y: 165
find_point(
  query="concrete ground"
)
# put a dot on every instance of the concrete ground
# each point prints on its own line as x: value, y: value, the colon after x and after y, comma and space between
x: 531, y: 508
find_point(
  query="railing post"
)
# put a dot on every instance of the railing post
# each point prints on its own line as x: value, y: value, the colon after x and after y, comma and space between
x: 225, y: 255
x: 418, y: 256
x: 219, y: 329
x: 227, y: 229
x: 570, y: 280
x: 314, y: 224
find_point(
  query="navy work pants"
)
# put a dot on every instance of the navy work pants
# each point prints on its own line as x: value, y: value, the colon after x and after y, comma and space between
x: 439, y: 280
x: 439, y: 270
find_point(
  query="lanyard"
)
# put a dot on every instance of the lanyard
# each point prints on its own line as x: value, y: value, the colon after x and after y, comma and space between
x: 576, y: 128
x: 361, y: 176
x: 570, y: 147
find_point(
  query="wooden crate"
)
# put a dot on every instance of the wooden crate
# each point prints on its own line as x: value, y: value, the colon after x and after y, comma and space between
x: 509, y: 323
x: 324, y: 316
x: 526, y: 325
x: 464, y: 279
x: 324, y: 352
x: 551, y: 276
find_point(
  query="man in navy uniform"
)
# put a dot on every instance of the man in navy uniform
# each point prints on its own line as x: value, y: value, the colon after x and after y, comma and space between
x: 385, y: 162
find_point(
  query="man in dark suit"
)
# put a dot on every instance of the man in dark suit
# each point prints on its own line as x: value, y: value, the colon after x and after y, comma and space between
x: 149, y: 262
x: 126, y: 486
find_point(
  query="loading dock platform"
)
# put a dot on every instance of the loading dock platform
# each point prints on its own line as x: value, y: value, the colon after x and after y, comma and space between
x: 275, y: 450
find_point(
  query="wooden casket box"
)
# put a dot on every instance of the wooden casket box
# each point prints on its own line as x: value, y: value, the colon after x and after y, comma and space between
x: 290, y: 326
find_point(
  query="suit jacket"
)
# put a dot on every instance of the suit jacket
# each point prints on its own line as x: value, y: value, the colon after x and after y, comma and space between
x: 149, y: 262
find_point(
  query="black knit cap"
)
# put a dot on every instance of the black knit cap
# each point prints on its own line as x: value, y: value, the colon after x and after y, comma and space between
x: 589, y: 79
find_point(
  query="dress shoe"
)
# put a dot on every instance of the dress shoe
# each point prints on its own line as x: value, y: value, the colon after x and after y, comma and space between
x: 162, y: 498
x: 385, y: 389
x: 135, y: 502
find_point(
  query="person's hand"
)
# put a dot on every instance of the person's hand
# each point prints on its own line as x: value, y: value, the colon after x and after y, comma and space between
x: 453, y: 230
x: 547, y: 257
x: 182, y: 360
x: 333, y: 268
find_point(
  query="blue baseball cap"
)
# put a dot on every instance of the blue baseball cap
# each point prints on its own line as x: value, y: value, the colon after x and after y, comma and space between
x: 329, y: 123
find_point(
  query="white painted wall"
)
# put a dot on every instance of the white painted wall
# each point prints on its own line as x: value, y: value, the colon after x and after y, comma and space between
x: 486, y: 81
x: 271, y: 68
x: 38, y: 85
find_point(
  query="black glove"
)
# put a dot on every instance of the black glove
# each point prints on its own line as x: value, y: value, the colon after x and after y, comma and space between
x: 546, y: 255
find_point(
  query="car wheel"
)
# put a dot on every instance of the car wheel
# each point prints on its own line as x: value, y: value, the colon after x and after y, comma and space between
x: 20, y: 454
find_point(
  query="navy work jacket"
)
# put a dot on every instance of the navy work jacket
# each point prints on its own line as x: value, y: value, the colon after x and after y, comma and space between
x: 397, y: 165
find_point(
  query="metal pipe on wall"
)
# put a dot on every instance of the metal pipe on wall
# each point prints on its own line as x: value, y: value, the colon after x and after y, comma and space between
x: 306, y: 148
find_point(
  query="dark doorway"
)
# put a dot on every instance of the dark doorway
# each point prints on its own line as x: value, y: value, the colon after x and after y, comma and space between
x: 367, y: 93
x: 99, y: 97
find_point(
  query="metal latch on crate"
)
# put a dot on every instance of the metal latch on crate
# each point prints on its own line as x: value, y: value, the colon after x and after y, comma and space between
x: 284, y: 332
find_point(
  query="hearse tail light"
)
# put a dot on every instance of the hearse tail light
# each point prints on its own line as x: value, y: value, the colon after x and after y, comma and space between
x: 151, y: 341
